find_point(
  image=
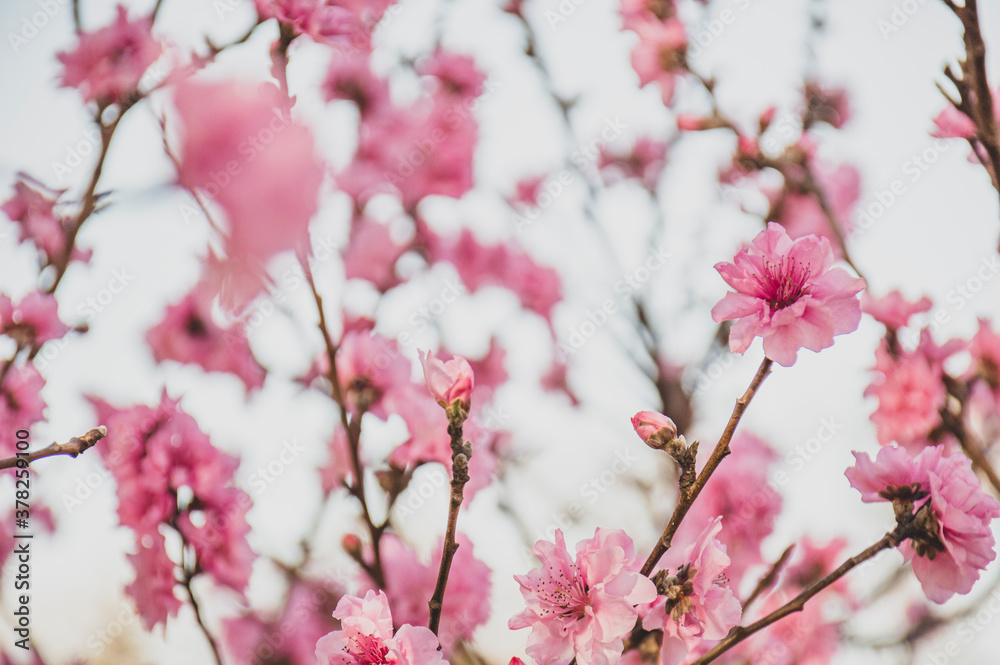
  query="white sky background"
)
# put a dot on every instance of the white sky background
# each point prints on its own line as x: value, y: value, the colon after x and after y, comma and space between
x: 930, y: 240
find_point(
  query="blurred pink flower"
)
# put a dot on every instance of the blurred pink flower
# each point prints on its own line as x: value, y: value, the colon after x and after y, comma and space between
x: 948, y: 560
x: 256, y: 163
x: 348, y: 23
x: 644, y: 162
x: 788, y: 294
x: 582, y: 608
x: 910, y: 390
x: 456, y: 73
x: 338, y: 469
x: 740, y: 493
x: 366, y: 636
x: 155, y: 579
x: 659, y: 55
x: 801, y: 213
x: 350, y: 77
x: 410, y: 583
x: 20, y: 403
x: 32, y: 208
x: 892, y: 310
x: 33, y: 321
x: 371, y: 254
x: 953, y: 124
x: 108, y: 63
x: 448, y: 382
x: 700, y: 605
x: 808, y: 637
x: 188, y: 334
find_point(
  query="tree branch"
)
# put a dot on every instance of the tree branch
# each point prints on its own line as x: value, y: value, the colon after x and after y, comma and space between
x: 73, y: 447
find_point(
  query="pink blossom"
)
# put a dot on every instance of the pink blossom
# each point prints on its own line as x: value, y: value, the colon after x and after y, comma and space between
x: 637, y: 12
x: 892, y: 310
x: 489, y: 370
x: 582, y: 608
x: 33, y: 209
x: 409, y: 583
x: 33, y: 321
x: 338, y: 469
x: 538, y: 287
x: 948, y: 559
x: 808, y: 637
x: 291, y: 634
x: 556, y: 379
x: 456, y: 73
x: 448, y: 382
x: 188, y: 334
x: 644, y: 162
x: 155, y: 579
x: 371, y: 254
x: 257, y: 164
x: 829, y: 105
x: 527, y: 191
x: 20, y: 403
x: 788, y: 294
x: 345, y: 22
x: 366, y: 636
x: 219, y: 538
x: 952, y: 123
x: 350, y: 77
x: 985, y: 363
x: 699, y: 605
x: 659, y: 55
x: 910, y: 392
x: 108, y: 63
x: 648, y: 423
x: 801, y: 213
x: 741, y: 494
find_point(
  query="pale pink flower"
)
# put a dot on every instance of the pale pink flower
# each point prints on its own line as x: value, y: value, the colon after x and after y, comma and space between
x: 448, y: 382
x: 948, y: 560
x: 188, y: 334
x: 366, y: 636
x: 345, y: 22
x: 338, y: 469
x: 893, y: 310
x: 802, y: 215
x: 808, y: 637
x: 155, y: 579
x: 456, y: 73
x: 636, y: 12
x: 984, y: 368
x: 256, y: 163
x: 741, y: 494
x: 701, y: 605
x: 32, y: 321
x: 788, y: 294
x: 648, y: 423
x: 108, y: 63
x: 582, y: 607
x: 659, y: 55
x: 350, y: 77
x: 644, y: 163
x: 910, y: 392
x: 21, y: 403
x: 409, y: 583
x: 953, y: 124
x: 371, y: 254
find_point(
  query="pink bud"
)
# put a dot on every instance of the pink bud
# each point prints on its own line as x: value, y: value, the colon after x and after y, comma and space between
x: 690, y: 123
x: 648, y: 423
x: 448, y: 381
x: 351, y: 544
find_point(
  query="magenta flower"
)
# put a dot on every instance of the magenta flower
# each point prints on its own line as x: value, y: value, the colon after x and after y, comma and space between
x: 21, y: 403
x: 582, y: 607
x: 448, y: 382
x: 699, y: 605
x: 958, y: 542
x: 33, y: 321
x: 108, y: 63
x: 787, y: 294
x: 648, y: 423
x: 910, y: 392
x: 366, y: 636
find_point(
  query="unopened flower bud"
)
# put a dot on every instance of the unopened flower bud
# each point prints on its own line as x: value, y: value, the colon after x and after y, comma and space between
x: 655, y: 429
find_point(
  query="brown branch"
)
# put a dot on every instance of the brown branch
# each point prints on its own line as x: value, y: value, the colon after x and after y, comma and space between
x: 460, y: 454
x: 186, y: 583
x: 353, y: 429
x: 721, y: 450
x: 769, y: 578
x: 740, y: 633
x: 73, y: 447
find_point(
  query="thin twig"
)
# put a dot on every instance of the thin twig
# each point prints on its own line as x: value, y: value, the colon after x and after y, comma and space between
x: 460, y: 454
x: 73, y: 447
x: 768, y: 579
x: 186, y: 582
x: 721, y: 450
x: 740, y: 633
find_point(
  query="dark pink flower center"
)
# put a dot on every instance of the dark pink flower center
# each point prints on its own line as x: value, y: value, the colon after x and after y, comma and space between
x: 783, y: 283
x: 562, y: 595
x: 368, y: 650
